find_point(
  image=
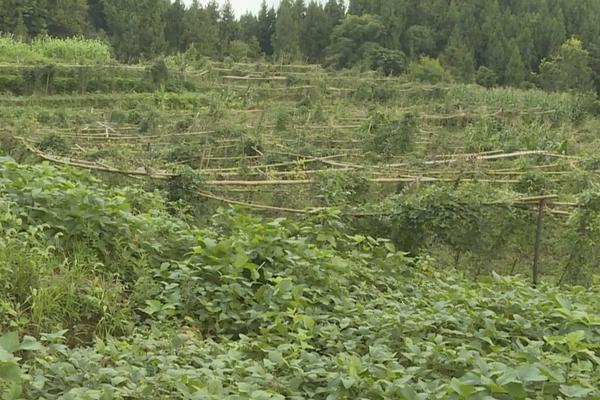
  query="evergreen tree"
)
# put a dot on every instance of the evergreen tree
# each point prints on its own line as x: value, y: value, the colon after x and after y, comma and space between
x: 286, y: 44
x: 516, y: 71
x: 299, y: 10
x: 174, y: 27
x: 229, y: 29
x: 314, y: 32
x: 136, y: 35
x: 24, y: 17
x: 494, y: 52
x: 393, y: 16
x: 249, y: 27
x: 66, y: 17
x: 527, y: 48
x: 266, y: 28
x: 420, y: 41
x: 20, y: 30
x: 359, y: 7
x: 458, y: 58
x: 200, y: 31
x: 548, y: 32
x: 335, y: 11
x: 96, y: 17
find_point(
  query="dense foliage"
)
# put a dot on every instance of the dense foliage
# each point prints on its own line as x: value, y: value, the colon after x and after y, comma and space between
x: 251, y: 308
x: 401, y: 213
x: 46, y: 50
x: 546, y: 43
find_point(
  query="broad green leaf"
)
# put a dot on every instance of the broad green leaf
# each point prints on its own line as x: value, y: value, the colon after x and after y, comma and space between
x: 5, y: 355
x: 564, y: 302
x: 154, y: 306
x: 276, y: 357
x: 30, y: 344
x: 463, y: 389
x: 10, y: 342
x: 575, y: 391
x: 574, y: 338
x: 516, y: 390
x: 408, y: 393
x: 530, y: 373
x: 261, y: 395
x: 9, y: 371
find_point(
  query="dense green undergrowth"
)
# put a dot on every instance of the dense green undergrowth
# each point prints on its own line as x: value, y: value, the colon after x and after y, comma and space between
x: 51, y: 50
x: 113, y: 293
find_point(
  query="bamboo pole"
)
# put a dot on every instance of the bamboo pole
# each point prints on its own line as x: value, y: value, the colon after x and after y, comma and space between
x: 281, y: 164
x: 538, y: 241
x: 254, y: 78
x: 94, y: 166
x: 372, y: 180
x: 259, y: 206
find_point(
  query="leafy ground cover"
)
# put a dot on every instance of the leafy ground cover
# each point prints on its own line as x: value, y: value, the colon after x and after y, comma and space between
x: 391, y: 258
x: 253, y: 308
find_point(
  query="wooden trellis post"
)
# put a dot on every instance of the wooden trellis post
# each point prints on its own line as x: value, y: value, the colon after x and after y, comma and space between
x: 538, y: 240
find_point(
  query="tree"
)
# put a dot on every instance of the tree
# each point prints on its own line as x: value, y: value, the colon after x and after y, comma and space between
x: 393, y: 16
x: 314, y: 32
x: 548, y: 32
x: 420, y: 41
x: 299, y: 10
x: 174, y: 27
x: 200, y: 31
x: 390, y: 62
x: 96, y: 17
x: 359, y: 7
x: 567, y: 69
x: 527, y: 48
x: 267, y: 19
x: 458, y: 58
x: 136, y: 35
x: 516, y: 71
x: 67, y: 17
x: 351, y: 38
x: 335, y: 11
x: 229, y: 29
x: 594, y: 50
x: 249, y: 27
x: 286, y: 44
x: 495, y: 52
x: 486, y: 77
x: 24, y: 17
x: 20, y: 30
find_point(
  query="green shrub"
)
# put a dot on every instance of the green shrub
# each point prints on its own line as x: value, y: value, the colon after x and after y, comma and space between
x: 428, y: 70
x: 158, y: 73
x: 55, y: 144
x: 392, y: 137
x: 390, y: 62
x: 486, y: 77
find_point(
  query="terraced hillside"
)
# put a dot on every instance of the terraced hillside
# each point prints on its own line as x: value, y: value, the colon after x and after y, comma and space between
x: 255, y: 231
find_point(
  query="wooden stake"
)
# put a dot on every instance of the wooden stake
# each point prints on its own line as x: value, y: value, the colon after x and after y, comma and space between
x: 538, y: 240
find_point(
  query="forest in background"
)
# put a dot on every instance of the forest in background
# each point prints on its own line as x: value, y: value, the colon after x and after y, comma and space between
x: 552, y: 44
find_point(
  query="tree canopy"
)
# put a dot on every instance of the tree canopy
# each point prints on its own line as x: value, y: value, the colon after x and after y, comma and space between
x: 500, y: 42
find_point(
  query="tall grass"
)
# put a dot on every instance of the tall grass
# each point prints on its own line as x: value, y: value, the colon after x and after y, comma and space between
x: 54, y: 50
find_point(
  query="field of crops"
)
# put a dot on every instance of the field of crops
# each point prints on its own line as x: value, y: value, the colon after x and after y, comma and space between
x: 198, y: 230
